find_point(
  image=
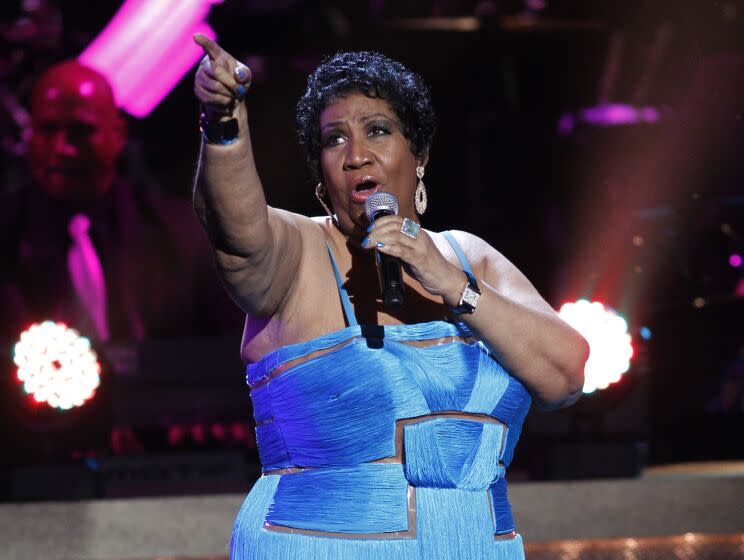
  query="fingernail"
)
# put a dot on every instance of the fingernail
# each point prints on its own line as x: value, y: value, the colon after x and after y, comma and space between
x: 371, y: 227
x: 379, y: 244
x: 240, y: 73
x: 365, y: 241
x: 241, y: 90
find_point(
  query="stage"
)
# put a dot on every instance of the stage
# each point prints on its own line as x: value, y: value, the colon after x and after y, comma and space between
x: 682, y: 512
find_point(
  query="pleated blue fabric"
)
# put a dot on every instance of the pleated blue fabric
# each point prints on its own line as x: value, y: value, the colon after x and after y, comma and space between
x: 329, y: 417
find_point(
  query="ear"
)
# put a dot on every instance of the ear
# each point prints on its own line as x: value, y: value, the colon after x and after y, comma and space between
x: 424, y: 159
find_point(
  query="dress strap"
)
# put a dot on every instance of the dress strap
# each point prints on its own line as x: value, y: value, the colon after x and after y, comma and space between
x: 459, y: 252
x: 345, y: 301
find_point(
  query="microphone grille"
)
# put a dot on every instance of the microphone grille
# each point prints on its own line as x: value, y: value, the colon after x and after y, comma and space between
x: 380, y: 201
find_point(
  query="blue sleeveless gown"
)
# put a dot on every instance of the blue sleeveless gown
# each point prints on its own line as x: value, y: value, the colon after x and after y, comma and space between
x: 328, y: 408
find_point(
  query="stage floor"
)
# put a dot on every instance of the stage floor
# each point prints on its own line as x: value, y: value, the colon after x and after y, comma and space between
x: 691, y: 546
x: 666, y: 516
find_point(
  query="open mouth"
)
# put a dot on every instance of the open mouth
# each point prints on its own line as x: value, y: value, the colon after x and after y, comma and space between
x: 363, y: 189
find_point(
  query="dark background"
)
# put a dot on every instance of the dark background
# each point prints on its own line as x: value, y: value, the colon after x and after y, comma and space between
x: 565, y: 208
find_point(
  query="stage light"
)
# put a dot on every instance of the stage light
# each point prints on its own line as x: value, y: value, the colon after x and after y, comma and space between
x: 608, y: 115
x: 56, y: 365
x: 735, y: 260
x: 147, y: 48
x: 609, y: 342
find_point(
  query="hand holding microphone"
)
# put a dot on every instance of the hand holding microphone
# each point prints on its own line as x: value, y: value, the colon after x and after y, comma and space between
x: 388, y: 267
x: 400, y: 242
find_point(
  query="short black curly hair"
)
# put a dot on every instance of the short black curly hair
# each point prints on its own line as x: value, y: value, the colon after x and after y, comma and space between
x: 372, y: 74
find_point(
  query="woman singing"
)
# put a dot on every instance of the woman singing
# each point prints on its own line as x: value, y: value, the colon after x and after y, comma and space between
x: 384, y: 432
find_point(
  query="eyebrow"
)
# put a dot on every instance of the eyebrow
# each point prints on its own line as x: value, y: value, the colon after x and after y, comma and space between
x: 365, y: 118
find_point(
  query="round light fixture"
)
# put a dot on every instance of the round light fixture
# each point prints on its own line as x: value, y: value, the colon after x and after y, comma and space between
x: 56, y: 365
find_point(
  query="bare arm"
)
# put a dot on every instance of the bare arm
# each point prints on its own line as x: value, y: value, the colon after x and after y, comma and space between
x: 257, y: 248
x: 521, y: 329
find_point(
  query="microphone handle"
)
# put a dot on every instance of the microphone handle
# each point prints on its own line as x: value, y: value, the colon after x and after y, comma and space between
x: 391, y: 280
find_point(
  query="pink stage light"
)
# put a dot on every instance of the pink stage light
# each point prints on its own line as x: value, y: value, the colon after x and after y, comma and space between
x: 611, y: 114
x: 147, y: 48
x: 608, y: 114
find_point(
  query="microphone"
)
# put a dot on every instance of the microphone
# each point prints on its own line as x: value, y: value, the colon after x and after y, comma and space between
x: 388, y: 267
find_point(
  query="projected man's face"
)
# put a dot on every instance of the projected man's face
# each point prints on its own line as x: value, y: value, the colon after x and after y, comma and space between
x: 77, y: 133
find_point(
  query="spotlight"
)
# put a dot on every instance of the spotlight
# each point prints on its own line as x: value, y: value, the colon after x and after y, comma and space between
x: 56, y: 365
x: 609, y: 342
x: 54, y: 399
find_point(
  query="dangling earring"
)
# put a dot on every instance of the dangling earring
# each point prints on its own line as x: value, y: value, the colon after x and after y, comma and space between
x: 420, y: 196
x: 320, y: 192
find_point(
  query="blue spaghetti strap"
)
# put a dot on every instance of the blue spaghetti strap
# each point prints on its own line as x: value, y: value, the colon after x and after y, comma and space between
x: 460, y: 255
x: 345, y: 301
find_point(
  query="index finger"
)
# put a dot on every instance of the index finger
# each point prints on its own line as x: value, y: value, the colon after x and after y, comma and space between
x: 212, y: 49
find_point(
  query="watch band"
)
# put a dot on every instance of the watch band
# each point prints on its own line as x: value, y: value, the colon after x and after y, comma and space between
x: 470, y: 296
x: 218, y: 132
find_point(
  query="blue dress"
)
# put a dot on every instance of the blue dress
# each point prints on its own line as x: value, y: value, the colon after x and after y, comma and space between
x: 430, y: 402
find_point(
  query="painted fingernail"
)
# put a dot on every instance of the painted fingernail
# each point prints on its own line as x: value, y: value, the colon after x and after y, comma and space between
x: 241, y: 90
x: 240, y: 73
x: 371, y: 227
x: 365, y: 241
x: 379, y: 244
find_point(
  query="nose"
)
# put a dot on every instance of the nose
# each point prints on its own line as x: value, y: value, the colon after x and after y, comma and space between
x: 62, y: 145
x: 357, y: 154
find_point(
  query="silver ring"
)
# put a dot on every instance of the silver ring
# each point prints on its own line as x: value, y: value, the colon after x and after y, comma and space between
x: 410, y: 228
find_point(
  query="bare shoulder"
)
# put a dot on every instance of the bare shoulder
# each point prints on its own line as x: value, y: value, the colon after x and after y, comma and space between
x: 299, y: 221
x: 294, y: 320
x: 308, y: 277
x: 308, y: 242
x: 319, y: 230
x: 262, y: 284
x: 491, y: 266
x: 477, y: 251
x: 307, y: 231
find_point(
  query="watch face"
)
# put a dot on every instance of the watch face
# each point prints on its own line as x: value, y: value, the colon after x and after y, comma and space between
x: 470, y: 296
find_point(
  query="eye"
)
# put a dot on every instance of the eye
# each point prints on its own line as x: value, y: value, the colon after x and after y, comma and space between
x: 378, y: 130
x: 332, y: 139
